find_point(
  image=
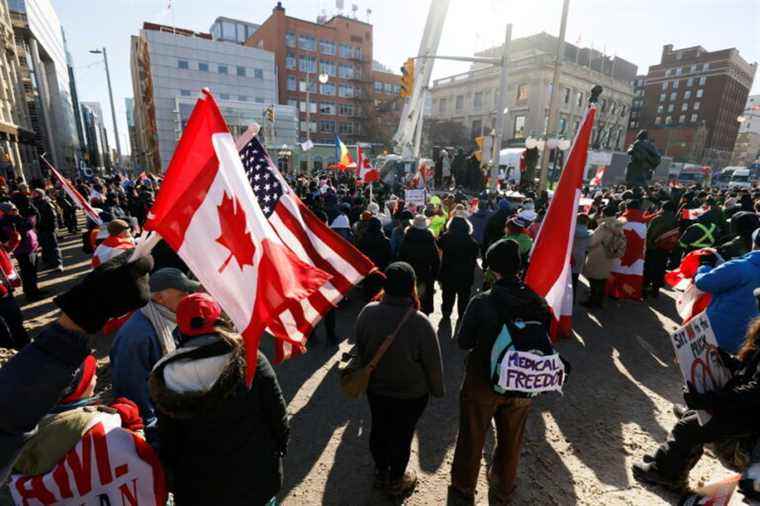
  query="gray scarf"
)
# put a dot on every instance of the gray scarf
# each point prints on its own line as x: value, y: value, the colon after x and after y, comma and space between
x: 164, y: 322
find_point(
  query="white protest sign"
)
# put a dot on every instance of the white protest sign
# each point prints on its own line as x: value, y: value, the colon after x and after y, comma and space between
x: 697, y: 353
x: 415, y: 197
x: 522, y: 371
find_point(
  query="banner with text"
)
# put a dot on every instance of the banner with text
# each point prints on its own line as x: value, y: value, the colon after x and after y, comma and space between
x: 522, y: 371
x: 697, y: 353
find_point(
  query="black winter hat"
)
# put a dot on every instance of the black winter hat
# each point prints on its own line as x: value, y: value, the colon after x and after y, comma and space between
x: 503, y: 257
x: 400, y: 279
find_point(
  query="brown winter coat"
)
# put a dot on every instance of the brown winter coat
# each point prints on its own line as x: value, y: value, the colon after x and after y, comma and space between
x: 598, y: 262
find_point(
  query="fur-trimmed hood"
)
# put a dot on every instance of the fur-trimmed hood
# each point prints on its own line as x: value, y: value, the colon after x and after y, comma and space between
x: 199, y: 376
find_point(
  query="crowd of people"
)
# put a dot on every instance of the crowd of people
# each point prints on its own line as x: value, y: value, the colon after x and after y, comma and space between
x: 177, y: 367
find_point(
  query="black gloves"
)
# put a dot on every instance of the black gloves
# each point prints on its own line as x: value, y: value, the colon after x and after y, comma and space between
x: 708, y: 258
x: 111, y: 290
x: 696, y: 400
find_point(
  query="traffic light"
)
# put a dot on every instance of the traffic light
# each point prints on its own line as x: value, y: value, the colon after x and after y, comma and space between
x: 269, y: 113
x: 407, y: 78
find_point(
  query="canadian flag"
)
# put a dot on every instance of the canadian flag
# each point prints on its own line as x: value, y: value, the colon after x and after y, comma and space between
x: 549, y: 271
x: 207, y: 212
x: 691, y: 300
x: 72, y: 192
x: 366, y: 173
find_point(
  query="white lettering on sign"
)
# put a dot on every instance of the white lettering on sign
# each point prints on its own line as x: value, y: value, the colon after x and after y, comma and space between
x: 522, y: 371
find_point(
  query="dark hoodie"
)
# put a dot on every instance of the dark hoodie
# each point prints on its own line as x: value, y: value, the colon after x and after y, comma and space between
x: 483, y: 320
x: 460, y: 254
x: 375, y: 245
x: 419, y: 249
x: 222, y: 442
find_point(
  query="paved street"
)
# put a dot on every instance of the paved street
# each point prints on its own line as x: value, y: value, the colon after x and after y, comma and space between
x: 578, y: 449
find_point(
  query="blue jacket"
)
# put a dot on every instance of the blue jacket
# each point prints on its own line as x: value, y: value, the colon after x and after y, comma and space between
x: 733, y: 303
x: 31, y: 383
x: 479, y: 220
x: 135, y: 351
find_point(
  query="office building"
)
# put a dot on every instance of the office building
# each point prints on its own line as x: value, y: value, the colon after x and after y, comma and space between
x: 639, y: 85
x: 129, y: 106
x: 747, y: 145
x: 470, y: 98
x: 97, y: 153
x: 170, y: 66
x: 232, y: 30
x: 387, y: 103
x: 692, y: 99
x: 45, y: 78
x: 339, y: 48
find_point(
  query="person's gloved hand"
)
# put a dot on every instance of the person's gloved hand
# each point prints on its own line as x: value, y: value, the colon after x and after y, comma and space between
x: 708, y: 258
x: 129, y: 413
x: 694, y: 399
x: 113, y: 289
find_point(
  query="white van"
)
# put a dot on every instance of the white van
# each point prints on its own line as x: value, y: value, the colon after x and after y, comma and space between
x: 509, y: 164
x: 740, y: 178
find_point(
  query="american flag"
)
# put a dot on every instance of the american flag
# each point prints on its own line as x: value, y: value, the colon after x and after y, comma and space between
x: 309, y: 238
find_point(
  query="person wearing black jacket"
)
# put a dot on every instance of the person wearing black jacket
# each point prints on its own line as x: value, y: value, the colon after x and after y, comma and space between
x: 479, y: 403
x: 377, y: 247
x: 644, y: 159
x: 733, y: 411
x: 221, y: 442
x: 46, y: 230
x: 495, y: 226
x: 459, y: 256
x: 418, y: 249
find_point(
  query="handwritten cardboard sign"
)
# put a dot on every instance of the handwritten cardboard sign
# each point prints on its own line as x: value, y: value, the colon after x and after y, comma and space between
x: 697, y: 353
x: 526, y: 372
x: 415, y: 197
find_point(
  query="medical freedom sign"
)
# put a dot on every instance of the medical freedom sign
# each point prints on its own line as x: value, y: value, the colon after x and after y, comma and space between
x: 522, y: 371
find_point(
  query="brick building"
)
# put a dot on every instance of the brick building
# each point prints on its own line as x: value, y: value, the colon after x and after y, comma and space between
x: 341, y: 48
x: 691, y: 101
x: 639, y: 86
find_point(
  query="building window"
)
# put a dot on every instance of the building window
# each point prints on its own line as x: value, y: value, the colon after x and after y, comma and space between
x: 302, y: 86
x: 477, y: 100
x: 327, y: 108
x: 345, y: 128
x: 671, y: 107
x: 705, y: 67
x: 396, y: 89
x: 306, y: 42
x: 702, y: 80
x: 258, y: 74
x: 662, y: 97
x: 293, y: 102
x: 682, y: 119
x: 327, y: 67
x: 668, y: 120
x: 327, y: 47
x: 562, y: 125
x: 312, y: 125
x: 459, y: 103
x: 243, y: 98
x: 604, y: 105
x: 613, y: 108
x: 477, y: 128
x: 183, y: 64
x: 345, y: 91
x: 519, y: 127
x: 344, y: 50
x: 658, y: 120
x: 240, y: 71
x: 694, y: 118
x: 184, y: 93
x: 203, y: 67
x: 327, y: 126
x: 292, y: 83
x: 678, y: 71
x: 579, y: 101
x: 667, y: 73
x: 290, y: 39
x: 693, y: 69
x: 696, y: 106
x: 307, y: 64
x: 522, y: 92
x: 566, y: 99
x: 576, y: 125
x: 687, y: 94
x: 622, y: 111
x: 388, y: 88
x: 675, y: 84
x: 690, y: 82
x: 673, y: 96
x: 222, y: 69
x: 660, y: 109
x: 684, y: 106
x: 346, y: 110
x: 700, y: 92
x: 312, y: 107
x: 327, y: 89
x: 345, y: 71
x: 664, y: 85
x: 443, y: 106
x: 290, y: 61
x: 378, y: 87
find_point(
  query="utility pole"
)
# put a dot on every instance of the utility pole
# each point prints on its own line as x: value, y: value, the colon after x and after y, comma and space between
x: 110, y: 96
x: 500, y: 107
x: 554, y: 100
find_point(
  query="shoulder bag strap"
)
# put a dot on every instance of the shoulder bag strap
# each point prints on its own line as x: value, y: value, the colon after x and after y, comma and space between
x: 388, y: 340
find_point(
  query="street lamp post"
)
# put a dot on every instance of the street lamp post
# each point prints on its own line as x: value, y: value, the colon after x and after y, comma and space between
x: 501, y: 107
x: 110, y: 96
x: 323, y: 78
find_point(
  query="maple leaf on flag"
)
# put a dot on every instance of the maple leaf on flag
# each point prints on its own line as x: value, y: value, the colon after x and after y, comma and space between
x: 633, y: 249
x: 234, y: 234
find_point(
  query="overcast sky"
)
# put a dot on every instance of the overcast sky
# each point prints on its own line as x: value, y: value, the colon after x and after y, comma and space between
x: 633, y: 29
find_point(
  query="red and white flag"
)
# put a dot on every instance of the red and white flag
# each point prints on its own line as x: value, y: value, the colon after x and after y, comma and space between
x: 310, y: 239
x: 691, y: 300
x: 626, y: 279
x: 549, y: 273
x: 597, y: 180
x: 365, y: 172
x: 208, y: 212
x: 72, y: 192
x: 693, y: 214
